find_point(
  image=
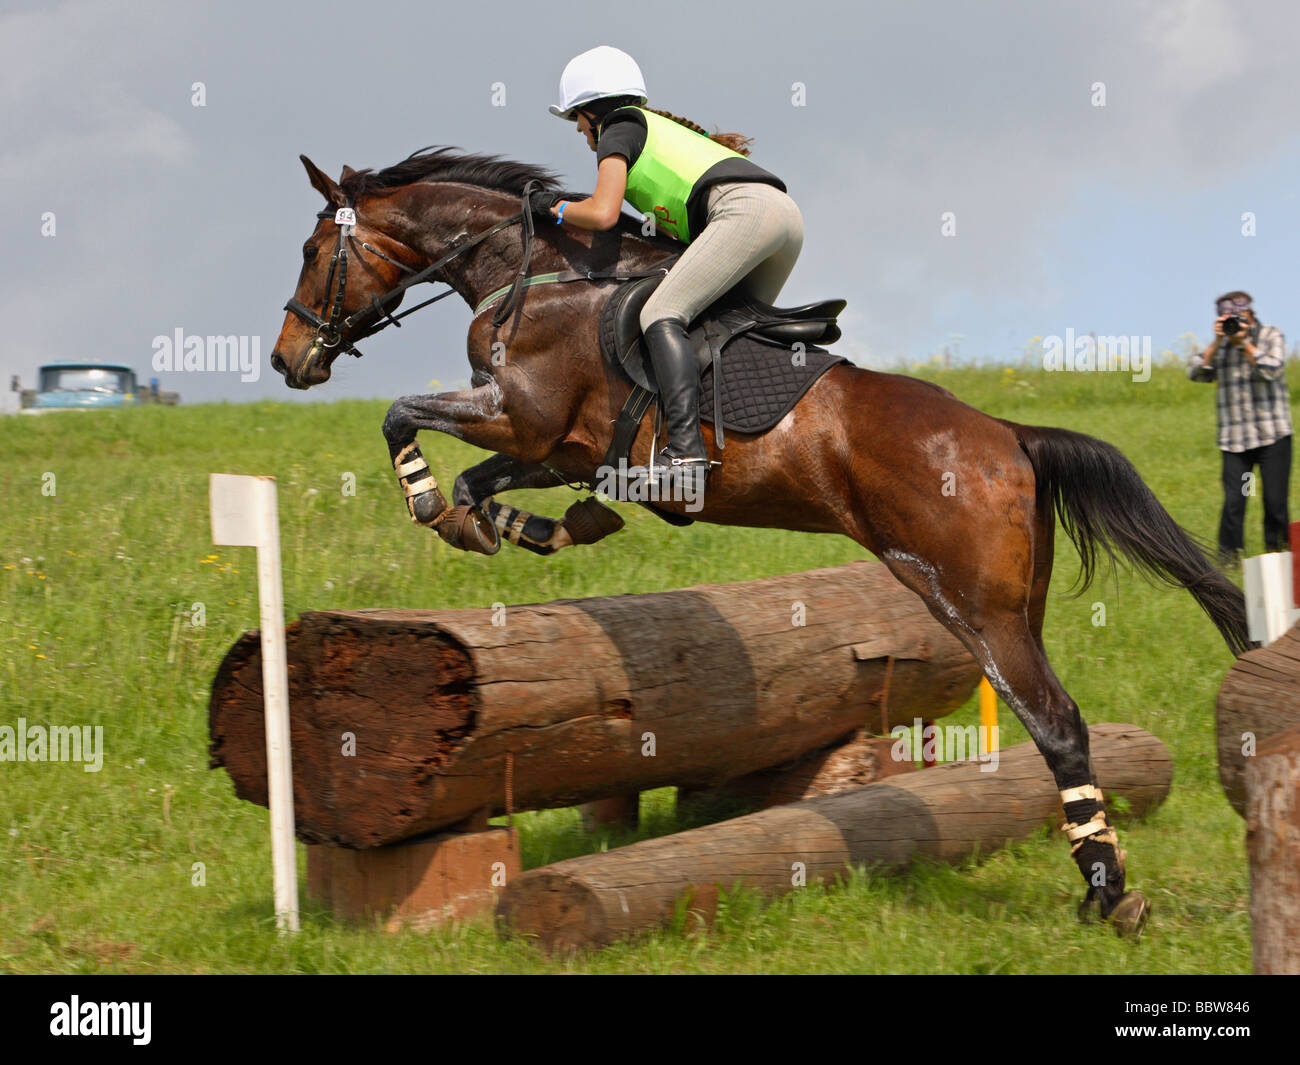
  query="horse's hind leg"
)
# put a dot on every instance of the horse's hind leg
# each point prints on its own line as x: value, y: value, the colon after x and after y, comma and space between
x: 1017, y: 667
x: 585, y: 522
x: 1130, y: 910
x: 1006, y: 645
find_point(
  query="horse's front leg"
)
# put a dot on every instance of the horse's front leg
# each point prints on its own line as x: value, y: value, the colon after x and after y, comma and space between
x: 474, y: 415
x: 585, y: 522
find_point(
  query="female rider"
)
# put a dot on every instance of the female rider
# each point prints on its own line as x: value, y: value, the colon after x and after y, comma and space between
x: 739, y: 226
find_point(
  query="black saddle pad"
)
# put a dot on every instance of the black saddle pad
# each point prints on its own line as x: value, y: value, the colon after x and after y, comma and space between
x: 761, y: 382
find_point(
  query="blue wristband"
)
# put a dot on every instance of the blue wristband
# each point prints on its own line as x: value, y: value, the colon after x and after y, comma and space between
x: 559, y: 218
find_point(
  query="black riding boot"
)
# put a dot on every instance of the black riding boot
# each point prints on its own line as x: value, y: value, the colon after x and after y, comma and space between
x: 677, y: 371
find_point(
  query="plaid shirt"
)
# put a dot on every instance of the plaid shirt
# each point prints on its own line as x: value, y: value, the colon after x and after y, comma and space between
x: 1254, y: 406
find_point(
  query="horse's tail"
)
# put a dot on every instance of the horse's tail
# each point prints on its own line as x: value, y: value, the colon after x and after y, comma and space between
x: 1103, y: 503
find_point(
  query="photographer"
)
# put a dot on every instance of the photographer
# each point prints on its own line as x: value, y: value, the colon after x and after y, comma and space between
x: 1248, y: 360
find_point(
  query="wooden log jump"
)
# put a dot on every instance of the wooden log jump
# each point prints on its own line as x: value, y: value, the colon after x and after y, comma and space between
x: 406, y: 722
x: 1259, y: 698
x: 945, y: 813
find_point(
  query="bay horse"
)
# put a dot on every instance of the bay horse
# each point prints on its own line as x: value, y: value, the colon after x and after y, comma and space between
x: 961, y: 506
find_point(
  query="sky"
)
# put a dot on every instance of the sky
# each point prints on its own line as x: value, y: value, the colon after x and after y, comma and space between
x: 1104, y: 167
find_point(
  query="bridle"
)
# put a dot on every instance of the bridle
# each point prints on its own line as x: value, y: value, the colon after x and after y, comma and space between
x: 330, y: 331
x: 331, y: 326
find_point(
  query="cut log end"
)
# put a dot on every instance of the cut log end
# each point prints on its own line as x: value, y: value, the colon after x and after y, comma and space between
x: 1259, y: 698
x: 366, y: 739
x: 558, y: 913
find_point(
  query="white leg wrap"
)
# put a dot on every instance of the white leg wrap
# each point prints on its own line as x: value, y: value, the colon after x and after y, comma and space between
x: 1095, y: 828
x: 409, y: 467
x: 1089, y: 828
x: 402, y: 455
x: 1084, y: 791
x: 419, y: 487
x: 405, y: 469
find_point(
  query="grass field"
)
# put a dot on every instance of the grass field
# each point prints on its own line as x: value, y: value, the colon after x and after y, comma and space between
x: 97, y: 870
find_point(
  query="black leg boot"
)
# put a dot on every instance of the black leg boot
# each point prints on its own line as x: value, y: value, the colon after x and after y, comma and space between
x: 677, y: 372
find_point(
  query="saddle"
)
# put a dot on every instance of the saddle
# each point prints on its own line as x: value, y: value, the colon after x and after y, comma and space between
x: 772, y: 357
x: 735, y: 314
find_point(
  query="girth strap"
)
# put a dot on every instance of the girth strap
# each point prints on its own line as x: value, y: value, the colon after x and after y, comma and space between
x: 627, y: 423
x: 716, y: 338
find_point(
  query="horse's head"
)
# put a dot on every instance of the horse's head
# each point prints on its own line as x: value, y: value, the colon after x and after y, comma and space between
x: 338, y: 295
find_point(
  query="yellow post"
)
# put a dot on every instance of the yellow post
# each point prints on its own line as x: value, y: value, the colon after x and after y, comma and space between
x: 989, y: 712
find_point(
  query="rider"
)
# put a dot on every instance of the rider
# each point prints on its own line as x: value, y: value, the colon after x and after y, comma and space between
x: 740, y: 227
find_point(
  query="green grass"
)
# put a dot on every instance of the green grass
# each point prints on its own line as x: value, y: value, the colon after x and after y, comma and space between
x: 96, y: 869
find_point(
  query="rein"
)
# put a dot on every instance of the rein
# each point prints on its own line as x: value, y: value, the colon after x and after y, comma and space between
x: 331, y: 329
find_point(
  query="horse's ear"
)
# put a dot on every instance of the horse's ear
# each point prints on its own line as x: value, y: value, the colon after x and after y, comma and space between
x: 347, y: 172
x: 323, y: 184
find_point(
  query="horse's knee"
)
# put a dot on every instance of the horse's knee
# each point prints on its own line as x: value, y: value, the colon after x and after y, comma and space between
x: 397, y: 423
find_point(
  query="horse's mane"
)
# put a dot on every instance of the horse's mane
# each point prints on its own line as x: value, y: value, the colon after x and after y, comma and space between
x: 487, y: 171
x: 450, y: 164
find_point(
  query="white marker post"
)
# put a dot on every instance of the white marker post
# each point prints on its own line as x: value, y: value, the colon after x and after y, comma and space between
x: 244, y: 514
x: 1269, y: 610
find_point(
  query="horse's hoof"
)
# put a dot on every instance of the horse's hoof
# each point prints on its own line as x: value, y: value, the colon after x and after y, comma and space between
x: 469, y: 529
x: 1130, y: 914
x: 426, y: 507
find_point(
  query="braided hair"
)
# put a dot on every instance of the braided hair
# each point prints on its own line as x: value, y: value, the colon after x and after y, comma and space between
x: 737, y: 142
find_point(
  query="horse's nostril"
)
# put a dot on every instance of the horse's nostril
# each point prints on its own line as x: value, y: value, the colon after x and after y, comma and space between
x: 277, y: 363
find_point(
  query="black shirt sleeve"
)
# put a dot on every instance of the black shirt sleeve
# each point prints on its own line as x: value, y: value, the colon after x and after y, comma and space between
x: 623, y: 134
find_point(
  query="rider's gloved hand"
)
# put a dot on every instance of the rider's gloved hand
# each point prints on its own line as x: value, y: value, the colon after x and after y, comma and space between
x: 542, y: 202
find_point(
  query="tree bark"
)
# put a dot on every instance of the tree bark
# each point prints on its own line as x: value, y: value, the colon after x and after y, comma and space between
x: 1273, y: 843
x: 405, y: 721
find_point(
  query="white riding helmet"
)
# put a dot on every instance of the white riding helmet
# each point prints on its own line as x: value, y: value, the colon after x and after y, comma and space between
x: 601, y: 72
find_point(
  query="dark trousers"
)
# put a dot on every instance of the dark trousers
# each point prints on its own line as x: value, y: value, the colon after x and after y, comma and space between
x: 1274, y: 462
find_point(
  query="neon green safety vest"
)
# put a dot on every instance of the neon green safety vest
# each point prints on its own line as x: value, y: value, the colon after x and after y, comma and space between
x: 661, y: 180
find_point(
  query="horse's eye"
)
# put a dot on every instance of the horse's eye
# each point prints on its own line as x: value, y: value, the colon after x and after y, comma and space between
x: 309, y: 253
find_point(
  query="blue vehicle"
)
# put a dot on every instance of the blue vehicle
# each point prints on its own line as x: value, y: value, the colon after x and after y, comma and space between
x: 88, y: 386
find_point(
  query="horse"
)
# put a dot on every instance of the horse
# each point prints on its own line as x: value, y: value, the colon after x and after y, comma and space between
x: 961, y: 506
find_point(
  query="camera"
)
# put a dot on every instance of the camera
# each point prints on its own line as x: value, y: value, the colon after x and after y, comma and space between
x: 1232, y: 325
